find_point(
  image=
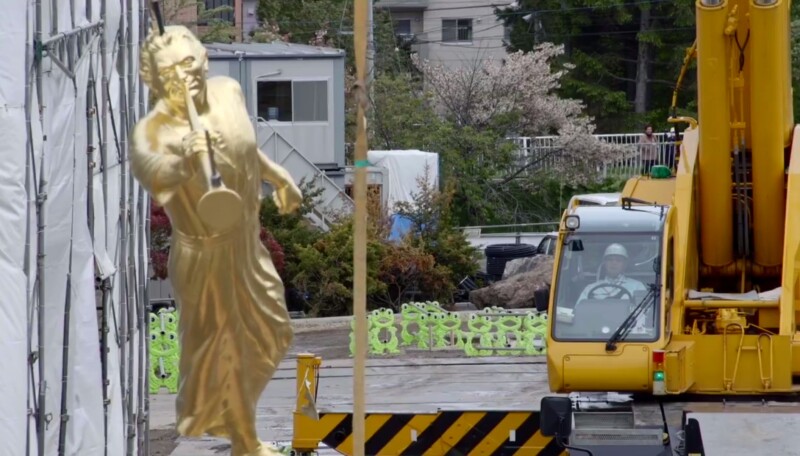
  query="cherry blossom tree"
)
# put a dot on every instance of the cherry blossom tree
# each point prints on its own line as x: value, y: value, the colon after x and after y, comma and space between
x: 518, y: 96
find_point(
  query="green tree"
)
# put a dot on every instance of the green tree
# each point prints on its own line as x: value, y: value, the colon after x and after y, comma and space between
x: 795, y: 49
x: 216, y: 29
x: 324, y: 270
x: 433, y: 229
x: 402, y: 117
x: 304, y: 21
x: 292, y: 231
x: 409, y: 273
x: 626, y: 56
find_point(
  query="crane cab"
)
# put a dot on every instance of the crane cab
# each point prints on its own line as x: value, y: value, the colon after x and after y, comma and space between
x: 607, y: 318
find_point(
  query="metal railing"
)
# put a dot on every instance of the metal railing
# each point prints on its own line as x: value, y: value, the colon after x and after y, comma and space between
x: 333, y: 198
x: 545, y: 152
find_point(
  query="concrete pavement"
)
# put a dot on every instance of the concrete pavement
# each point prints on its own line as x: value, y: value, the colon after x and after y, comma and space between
x: 397, y: 385
x: 418, y: 381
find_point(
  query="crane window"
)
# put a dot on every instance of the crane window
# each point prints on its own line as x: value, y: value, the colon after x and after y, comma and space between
x: 601, y: 279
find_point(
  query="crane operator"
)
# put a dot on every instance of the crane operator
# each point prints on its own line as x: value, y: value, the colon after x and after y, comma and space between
x: 615, y: 283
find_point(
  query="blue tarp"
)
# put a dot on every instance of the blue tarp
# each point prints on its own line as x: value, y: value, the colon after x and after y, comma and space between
x: 400, y: 227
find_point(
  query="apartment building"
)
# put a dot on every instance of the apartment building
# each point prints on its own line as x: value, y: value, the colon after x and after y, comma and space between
x: 453, y: 32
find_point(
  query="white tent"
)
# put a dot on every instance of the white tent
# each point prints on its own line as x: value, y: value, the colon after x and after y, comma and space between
x: 405, y: 168
x: 72, y: 230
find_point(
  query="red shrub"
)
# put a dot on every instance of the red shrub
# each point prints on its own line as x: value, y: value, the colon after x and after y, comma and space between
x: 275, y: 250
x: 161, y: 230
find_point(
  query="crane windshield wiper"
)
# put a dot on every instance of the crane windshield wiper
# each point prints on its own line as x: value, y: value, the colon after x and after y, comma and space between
x: 624, y: 328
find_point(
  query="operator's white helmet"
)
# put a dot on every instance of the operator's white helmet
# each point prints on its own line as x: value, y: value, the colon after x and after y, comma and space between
x: 616, y: 249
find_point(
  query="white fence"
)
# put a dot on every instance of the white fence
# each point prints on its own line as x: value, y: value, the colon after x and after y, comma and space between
x: 544, y: 151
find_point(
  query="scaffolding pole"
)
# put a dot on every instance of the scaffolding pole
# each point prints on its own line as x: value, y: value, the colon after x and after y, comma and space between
x: 144, y: 306
x: 41, y: 196
x: 106, y: 282
x: 130, y: 118
x: 29, y: 178
x: 125, y: 354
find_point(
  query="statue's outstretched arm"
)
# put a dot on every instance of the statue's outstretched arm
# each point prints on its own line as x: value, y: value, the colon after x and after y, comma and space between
x: 287, y: 195
x: 273, y: 173
x: 159, y: 173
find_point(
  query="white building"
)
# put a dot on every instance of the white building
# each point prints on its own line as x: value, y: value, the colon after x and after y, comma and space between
x: 295, y: 96
x: 453, y: 32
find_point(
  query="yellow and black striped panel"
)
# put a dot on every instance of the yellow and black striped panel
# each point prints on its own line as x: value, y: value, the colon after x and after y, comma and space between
x: 448, y: 433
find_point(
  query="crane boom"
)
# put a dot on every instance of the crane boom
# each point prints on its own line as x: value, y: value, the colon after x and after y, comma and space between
x: 744, y: 99
x: 713, y: 88
x: 771, y: 125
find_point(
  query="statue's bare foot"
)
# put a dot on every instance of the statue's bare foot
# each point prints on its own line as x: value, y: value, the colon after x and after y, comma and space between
x: 266, y: 449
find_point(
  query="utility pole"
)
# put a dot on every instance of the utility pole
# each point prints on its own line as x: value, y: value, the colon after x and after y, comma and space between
x: 370, y: 46
x: 362, y: 25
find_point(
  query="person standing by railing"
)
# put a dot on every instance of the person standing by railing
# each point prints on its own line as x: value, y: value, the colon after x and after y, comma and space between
x: 648, y: 149
x: 671, y: 148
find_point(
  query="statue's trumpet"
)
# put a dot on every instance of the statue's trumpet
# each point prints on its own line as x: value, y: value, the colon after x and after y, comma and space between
x: 220, y: 207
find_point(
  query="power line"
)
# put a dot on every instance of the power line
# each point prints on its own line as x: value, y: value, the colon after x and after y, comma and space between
x: 559, y: 10
x: 609, y: 9
x: 586, y: 8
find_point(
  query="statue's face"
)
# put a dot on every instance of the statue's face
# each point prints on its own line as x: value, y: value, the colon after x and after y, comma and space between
x: 182, y: 60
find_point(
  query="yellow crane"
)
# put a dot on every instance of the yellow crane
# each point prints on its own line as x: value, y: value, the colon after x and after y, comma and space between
x: 690, y: 286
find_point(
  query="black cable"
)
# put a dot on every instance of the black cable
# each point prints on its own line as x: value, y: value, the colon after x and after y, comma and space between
x: 571, y: 448
x: 741, y: 48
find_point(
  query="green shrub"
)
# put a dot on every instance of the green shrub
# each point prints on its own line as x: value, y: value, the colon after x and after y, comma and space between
x: 433, y: 232
x: 324, y: 271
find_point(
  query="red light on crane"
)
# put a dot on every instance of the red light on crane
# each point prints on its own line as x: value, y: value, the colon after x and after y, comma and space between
x: 658, y: 356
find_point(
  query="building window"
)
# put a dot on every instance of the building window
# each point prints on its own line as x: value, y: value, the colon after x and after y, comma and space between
x: 402, y: 27
x: 456, y: 30
x: 293, y: 101
x: 224, y: 15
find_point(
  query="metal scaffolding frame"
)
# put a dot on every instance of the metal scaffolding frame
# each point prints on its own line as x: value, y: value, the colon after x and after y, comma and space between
x: 87, y: 229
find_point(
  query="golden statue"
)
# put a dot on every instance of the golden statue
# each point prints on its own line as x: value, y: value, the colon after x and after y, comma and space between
x: 234, y: 326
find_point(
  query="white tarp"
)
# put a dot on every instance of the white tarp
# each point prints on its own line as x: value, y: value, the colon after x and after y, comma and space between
x: 67, y: 240
x: 59, y: 151
x: 406, y: 168
x: 13, y: 209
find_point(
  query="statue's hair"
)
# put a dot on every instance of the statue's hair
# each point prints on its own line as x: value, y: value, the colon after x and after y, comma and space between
x: 151, y: 47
